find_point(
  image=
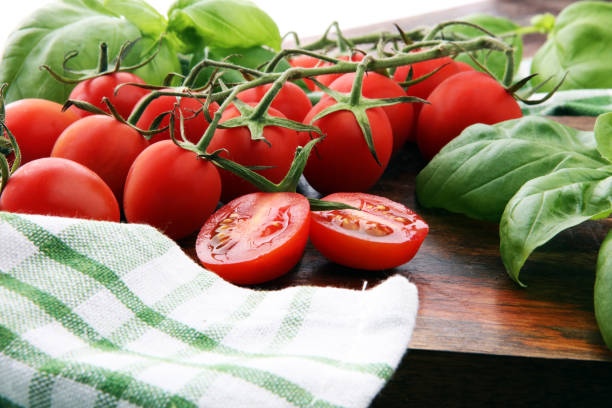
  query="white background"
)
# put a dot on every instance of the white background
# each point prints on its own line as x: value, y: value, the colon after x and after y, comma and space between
x: 309, y: 20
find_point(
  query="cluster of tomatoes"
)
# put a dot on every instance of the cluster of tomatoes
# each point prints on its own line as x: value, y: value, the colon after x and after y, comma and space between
x: 78, y: 164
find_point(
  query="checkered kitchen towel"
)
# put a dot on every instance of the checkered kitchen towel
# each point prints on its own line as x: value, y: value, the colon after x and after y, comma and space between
x: 99, y: 314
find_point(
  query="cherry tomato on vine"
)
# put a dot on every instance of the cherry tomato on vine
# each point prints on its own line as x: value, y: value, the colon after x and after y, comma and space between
x: 94, y: 89
x: 60, y: 187
x: 36, y: 125
x: 104, y: 145
x: 194, y: 120
x: 256, y: 237
x: 171, y: 189
x: 291, y: 100
x: 460, y: 101
x: 342, y: 161
x: 277, y: 152
x: 384, y: 234
x: 379, y: 86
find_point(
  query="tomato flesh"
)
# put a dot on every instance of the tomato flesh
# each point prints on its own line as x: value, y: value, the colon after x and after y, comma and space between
x: 383, y: 235
x: 256, y: 237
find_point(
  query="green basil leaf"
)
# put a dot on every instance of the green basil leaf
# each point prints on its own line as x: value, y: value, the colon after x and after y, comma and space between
x: 222, y: 23
x: 73, y: 25
x: 603, y: 290
x: 478, y: 172
x: 494, y: 61
x: 141, y: 14
x: 603, y: 135
x: 547, y: 205
x: 580, y: 44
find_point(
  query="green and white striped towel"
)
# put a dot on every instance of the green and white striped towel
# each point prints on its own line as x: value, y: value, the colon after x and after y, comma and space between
x: 99, y: 314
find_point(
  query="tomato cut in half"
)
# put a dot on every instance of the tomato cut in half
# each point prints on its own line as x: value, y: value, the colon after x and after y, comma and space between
x: 256, y: 237
x: 383, y: 235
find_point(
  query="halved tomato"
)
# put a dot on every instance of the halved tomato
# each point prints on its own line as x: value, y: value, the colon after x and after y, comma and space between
x: 384, y: 234
x: 256, y: 237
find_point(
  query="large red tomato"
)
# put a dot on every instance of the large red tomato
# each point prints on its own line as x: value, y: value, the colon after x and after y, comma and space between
x: 342, y: 161
x: 61, y: 187
x: 36, y: 125
x: 104, y: 145
x: 256, y: 237
x: 379, y: 86
x: 384, y: 234
x: 171, y: 189
x: 277, y: 152
x: 460, y: 101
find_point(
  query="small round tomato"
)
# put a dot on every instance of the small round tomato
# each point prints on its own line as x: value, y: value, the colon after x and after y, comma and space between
x: 61, y: 187
x: 277, y: 152
x: 291, y: 100
x: 462, y: 100
x: 104, y: 145
x: 424, y: 88
x: 383, y: 235
x: 171, y: 189
x: 94, y: 89
x: 256, y: 237
x: 379, y: 86
x: 342, y: 161
x: 194, y: 120
x: 36, y: 125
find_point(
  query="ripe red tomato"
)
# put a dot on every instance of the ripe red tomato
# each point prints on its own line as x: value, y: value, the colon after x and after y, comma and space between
x: 342, y: 161
x: 94, y: 89
x: 61, y: 187
x: 36, y: 125
x: 242, y: 149
x: 256, y: 237
x: 104, y: 145
x: 194, y: 121
x: 171, y: 189
x: 305, y: 61
x: 379, y: 86
x: 291, y: 100
x: 384, y: 234
x: 460, y: 101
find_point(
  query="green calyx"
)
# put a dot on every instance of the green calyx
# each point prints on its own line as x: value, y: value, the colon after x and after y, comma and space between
x: 358, y: 105
x: 103, y: 64
x: 7, y: 146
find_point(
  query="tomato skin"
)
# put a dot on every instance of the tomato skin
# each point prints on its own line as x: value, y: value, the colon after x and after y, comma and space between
x: 342, y: 161
x: 460, y: 101
x: 36, y: 125
x: 171, y: 189
x: 94, y: 89
x: 305, y: 61
x: 258, y: 250
x: 104, y: 145
x: 242, y: 149
x: 401, y: 115
x: 60, y: 187
x: 195, y: 124
x: 356, y: 248
x: 291, y: 100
